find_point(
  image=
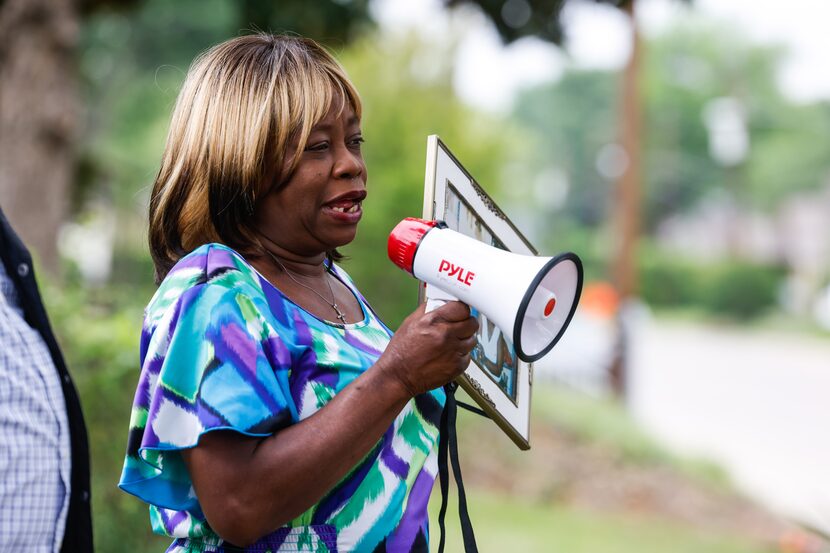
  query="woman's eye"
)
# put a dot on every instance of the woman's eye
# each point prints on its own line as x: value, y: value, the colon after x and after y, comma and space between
x: 318, y: 147
x: 357, y: 141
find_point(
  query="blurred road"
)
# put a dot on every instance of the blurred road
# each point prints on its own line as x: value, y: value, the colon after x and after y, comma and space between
x: 756, y: 402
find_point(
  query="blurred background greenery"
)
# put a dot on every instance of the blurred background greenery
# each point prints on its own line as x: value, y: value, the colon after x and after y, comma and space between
x: 715, y: 233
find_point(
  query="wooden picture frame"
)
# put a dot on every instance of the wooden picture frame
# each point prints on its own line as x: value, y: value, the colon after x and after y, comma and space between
x: 497, y: 380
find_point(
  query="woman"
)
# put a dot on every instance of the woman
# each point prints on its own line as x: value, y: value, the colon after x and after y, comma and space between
x: 275, y: 411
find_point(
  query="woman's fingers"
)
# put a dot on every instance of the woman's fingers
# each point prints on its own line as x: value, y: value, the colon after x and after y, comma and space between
x: 467, y: 328
x: 453, y: 311
x: 467, y: 344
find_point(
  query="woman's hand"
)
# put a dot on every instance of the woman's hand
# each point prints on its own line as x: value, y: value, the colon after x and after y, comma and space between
x: 430, y: 349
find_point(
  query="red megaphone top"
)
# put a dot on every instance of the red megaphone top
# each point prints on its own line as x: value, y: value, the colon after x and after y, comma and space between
x: 404, y: 239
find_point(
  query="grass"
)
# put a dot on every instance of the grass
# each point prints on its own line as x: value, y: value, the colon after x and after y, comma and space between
x: 507, y: 524
x: 513, y: 523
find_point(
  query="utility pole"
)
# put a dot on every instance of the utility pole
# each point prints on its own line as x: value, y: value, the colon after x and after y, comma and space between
x: 626, y: 210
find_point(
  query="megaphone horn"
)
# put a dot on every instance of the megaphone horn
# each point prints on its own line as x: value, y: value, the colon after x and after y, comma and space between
x: 531, y: 299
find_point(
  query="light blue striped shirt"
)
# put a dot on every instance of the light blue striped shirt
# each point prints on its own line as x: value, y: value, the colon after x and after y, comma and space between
x: 35, y: 457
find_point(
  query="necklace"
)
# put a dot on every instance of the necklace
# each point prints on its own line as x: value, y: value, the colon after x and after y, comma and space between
x: 332, y: 303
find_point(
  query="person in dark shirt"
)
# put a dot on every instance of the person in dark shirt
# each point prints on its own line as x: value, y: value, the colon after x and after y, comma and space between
x: 44, y: 454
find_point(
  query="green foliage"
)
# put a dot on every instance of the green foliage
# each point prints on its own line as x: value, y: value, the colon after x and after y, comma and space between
x: 679, y: 78
x: 591, y: 246
x: 685, y: 70
x: 570, y: 121
x: 789, y: 154
x: 538, y: 18
x: 333, y: 22
x: 667, y: 280
x: 731, y: 288
x: 742, y: 290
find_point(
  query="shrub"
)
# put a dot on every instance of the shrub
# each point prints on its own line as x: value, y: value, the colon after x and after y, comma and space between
x: 732, y: 288
x: 741, y: 290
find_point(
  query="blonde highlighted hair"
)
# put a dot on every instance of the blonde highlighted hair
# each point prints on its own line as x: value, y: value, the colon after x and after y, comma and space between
x: 242, y: 105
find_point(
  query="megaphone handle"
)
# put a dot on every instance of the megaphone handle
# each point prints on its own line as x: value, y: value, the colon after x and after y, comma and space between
x: 436, y: 297
x: 432, y: 304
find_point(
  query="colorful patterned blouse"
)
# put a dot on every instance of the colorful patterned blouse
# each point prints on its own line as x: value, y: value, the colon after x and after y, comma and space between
x: 221, y: 348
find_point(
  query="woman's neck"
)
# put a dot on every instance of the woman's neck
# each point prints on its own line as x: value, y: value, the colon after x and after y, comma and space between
x: 298, y: 263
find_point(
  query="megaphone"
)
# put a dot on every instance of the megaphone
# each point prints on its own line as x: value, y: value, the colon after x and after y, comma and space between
x: 531, y: 299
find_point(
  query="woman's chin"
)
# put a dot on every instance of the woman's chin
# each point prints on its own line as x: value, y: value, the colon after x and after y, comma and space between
x: 341, y: 227
x: 341, y: 238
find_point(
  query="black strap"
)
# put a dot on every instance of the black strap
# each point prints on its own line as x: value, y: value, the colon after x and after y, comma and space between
x: 443, y: 476
x: 472, y: 409
x: 448, y: 442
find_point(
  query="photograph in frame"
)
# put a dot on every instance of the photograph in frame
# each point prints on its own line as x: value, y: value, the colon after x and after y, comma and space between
x: 497, y: 380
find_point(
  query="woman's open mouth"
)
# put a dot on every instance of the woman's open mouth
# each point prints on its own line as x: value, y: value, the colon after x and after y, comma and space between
x: 346, y: 208
x: 343, y: 209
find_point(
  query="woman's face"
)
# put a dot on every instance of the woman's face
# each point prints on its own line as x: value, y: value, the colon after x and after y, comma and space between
x: 319, y: 207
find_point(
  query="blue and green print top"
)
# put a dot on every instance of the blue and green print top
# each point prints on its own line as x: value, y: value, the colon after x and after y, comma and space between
x: 221, y: 348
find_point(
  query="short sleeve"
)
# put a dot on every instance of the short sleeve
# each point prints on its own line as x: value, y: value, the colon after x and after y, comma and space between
x: 209, y: 362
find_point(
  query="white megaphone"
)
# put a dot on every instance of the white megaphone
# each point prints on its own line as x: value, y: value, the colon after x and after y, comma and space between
x: 531, y: 299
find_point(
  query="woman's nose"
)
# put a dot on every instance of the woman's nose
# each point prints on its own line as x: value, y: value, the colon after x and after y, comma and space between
x: 348, y: 164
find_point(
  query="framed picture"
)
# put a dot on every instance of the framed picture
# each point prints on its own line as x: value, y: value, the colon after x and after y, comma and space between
x: 496, y: 379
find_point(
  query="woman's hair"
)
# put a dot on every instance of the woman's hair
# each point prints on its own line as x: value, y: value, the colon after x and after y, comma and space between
x: 242, y: 104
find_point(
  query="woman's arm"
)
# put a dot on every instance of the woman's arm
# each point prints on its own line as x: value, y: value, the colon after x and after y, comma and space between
x: 249, y: 487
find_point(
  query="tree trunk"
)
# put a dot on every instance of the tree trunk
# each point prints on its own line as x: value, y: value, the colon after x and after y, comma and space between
x: 628, y: 200
x: 39, y: 118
